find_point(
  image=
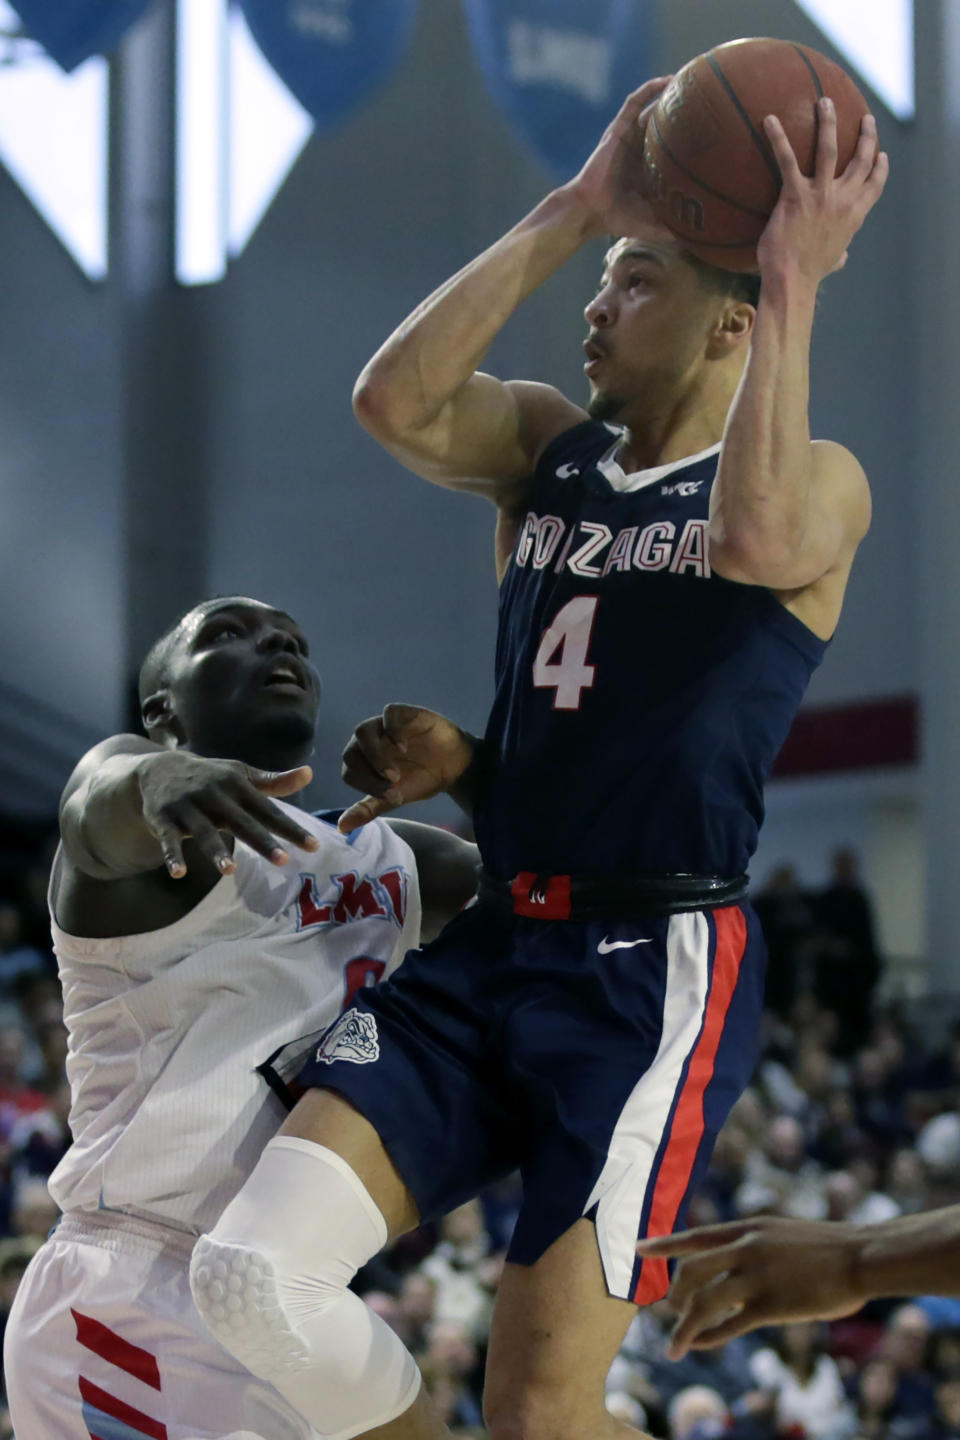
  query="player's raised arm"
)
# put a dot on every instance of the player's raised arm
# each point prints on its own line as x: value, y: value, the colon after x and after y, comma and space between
x: 786, y: 511
x: 423, y: 395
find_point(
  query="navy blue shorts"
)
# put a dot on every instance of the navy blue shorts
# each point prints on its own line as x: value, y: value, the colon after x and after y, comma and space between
x: 599, y: 1059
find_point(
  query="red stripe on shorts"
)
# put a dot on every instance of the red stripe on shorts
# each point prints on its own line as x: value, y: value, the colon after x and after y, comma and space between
x: 110, y: 1346
x: 686, y: 1131
x: 110, y: 1405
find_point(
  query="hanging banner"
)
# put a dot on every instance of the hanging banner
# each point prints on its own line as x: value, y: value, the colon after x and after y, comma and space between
x: 331, y: 54
x: 561, y: 68
x: 72, y: 30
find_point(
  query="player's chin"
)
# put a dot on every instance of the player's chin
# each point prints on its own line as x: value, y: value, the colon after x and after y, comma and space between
x: 604, y: 404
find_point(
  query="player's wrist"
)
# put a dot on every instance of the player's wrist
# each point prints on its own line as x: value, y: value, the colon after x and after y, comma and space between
x: 785, y: 278
x: 574, y: 208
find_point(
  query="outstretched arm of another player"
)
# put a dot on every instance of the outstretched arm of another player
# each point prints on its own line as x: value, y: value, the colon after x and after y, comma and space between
x: 785, y: 511
x: 732, y: 1278
x: 130, y: 804
x: 404, y: 755
x: 423, y: 395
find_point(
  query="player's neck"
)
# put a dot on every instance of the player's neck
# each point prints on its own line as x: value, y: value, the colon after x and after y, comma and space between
x: 661, y: 433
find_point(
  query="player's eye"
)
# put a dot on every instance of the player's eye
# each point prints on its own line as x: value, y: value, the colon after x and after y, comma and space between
x: 221, y: 630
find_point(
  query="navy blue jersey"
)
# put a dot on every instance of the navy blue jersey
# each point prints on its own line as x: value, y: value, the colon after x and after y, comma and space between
x: 640, y: 699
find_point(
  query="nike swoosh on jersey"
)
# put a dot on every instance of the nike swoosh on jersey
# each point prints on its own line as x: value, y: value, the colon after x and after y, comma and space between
x: 566, y: 472
x: 606, y: 946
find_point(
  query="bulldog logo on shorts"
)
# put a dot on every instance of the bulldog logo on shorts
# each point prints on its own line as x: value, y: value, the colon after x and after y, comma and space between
x: 354, y: 1037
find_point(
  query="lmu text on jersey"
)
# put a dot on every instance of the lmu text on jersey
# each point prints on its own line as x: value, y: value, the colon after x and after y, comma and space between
x: 591, y: 549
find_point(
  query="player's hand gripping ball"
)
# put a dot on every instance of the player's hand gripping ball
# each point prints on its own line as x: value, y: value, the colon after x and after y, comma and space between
x: 710, y: 172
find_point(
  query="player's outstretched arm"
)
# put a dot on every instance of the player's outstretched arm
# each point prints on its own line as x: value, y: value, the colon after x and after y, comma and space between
x: 785, y: 511
x: 130, y: 804
x: 404, y: 755
x: 423, y: 395
x: 448, y: 869
x: 733, y: 1278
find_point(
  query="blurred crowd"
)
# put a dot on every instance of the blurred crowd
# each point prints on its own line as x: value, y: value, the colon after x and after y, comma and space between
x: 851, y: 1116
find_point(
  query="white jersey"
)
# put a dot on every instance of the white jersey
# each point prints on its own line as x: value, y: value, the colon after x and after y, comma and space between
x: 166, y: 1029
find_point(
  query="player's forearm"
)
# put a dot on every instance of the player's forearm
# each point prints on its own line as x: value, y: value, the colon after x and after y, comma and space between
x: 102, y: 825
x: 441, y: 344
x: 765, y: 470
x: 912, y: 1255
x: 464, y: 788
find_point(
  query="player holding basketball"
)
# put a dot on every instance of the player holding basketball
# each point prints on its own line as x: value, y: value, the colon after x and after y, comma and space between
x: 667, y: 589
x: 183, y: 962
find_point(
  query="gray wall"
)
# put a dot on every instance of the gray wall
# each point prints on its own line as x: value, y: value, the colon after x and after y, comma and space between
x: 392, y: 577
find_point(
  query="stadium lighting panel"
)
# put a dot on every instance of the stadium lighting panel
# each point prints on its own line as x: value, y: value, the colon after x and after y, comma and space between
x: 53, y: 141
x: 876, y: 37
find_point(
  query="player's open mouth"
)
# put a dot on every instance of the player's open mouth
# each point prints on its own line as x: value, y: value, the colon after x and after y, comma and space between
x: 285, y: 678
x: 594, y: 356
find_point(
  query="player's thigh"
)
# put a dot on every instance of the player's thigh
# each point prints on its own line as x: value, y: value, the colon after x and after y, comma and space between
x: 555, y: 1333
x: 329, y: 1119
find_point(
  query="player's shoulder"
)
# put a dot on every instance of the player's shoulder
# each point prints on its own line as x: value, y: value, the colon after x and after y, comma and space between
x: 576, y: 449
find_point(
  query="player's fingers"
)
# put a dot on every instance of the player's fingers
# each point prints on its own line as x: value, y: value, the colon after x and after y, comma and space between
x: 170, y: 838
x: 361, y: 773
x: 364, y: 811
x: 698, y: 1273
x: 864, y: 156
x: 279, y: 782
x: 193, y: 822
x: 747, y: 1318
x: 403, y: 721
x: 709, y: 1306
x: 287, y: 827
x: 877, y: 179
x: 826, y: 162
x: 229, y: 814
x: 693, y: 1242
x: 782, y: 151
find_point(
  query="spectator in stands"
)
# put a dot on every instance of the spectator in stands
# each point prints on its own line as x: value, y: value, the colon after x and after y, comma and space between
x: 849, y: 967
x: 788, y: 919
x: 803, y: 1380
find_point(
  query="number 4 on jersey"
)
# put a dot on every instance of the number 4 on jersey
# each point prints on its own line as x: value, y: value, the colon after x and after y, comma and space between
x: 561, y: 660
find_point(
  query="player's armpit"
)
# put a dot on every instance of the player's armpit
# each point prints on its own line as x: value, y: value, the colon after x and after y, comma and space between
x: 447, y: 868
x: 485, y: 440
x: 821, y: 537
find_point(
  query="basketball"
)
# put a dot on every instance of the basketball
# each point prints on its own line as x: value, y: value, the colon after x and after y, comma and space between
x: 710, y: 172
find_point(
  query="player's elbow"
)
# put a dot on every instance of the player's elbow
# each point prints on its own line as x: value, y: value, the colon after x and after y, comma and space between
x: 755, y: 557
x: 379, y: 404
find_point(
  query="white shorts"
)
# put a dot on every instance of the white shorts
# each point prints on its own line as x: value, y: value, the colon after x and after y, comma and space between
x: 104, y: 1341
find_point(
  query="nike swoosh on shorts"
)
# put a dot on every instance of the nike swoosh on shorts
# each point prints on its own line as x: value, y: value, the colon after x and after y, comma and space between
x: 606, y: 946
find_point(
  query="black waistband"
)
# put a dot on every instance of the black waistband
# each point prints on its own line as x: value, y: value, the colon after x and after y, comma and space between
x: 609, y: 897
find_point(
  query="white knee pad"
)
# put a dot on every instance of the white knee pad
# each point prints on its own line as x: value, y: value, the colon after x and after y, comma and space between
x: 271, y: 1278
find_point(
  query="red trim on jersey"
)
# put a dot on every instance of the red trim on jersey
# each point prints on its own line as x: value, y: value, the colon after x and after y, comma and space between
x: 541, y: 897
x: 110, y: 1405
x: 686, y: 1131
x: 110, y: 1346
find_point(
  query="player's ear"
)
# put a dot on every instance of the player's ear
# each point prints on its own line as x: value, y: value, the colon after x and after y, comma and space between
x: 160, y: 721
x: 733, y: 328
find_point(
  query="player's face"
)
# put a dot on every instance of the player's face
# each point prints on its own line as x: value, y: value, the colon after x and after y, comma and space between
x: 241, y: 684
x: 649, y: 321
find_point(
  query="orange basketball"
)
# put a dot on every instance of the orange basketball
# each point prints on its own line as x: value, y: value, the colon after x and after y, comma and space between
x: 709, y: 169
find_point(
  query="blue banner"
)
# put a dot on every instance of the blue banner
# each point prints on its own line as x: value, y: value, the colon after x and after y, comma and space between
x: 72, y: 30
x: 562, y: 68
x: 331, y: 54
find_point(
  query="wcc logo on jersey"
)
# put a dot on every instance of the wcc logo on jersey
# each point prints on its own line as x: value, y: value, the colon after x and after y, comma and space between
x: 383, y: 896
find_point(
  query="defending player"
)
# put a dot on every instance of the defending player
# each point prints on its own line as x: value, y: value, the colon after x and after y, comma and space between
x: 668, y: 586
x: 183, y: 962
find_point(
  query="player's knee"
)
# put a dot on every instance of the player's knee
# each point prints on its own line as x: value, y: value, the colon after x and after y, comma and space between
x: 242, y: 1300
x: 282, y: 1255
